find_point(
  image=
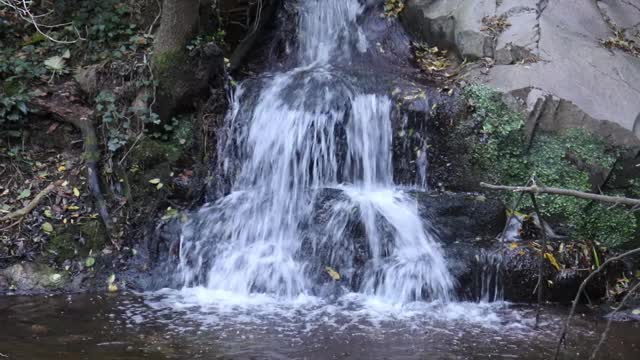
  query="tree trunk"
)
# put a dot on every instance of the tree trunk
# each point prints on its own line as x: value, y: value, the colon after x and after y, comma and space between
x: 178, y: 25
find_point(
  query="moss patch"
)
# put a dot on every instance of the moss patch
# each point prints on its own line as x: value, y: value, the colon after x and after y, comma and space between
x: 574, y: 159
x: 73, y: 240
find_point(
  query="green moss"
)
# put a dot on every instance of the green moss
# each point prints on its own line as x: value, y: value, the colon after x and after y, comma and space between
x: 149, y: 153
x: 65, y: 243
x: 564, y: 160
x: 165, y: 62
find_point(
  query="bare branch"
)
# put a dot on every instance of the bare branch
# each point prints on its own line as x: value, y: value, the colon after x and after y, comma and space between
x: 535, y: 189
x: 565, y: 328
x: 23, y: 9
x: 603, y: 337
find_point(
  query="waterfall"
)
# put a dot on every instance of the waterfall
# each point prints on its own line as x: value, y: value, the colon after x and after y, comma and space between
x: 297, y: 134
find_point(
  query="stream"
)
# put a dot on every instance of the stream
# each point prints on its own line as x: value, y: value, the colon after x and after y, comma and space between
x: 315, y: 253
x: 141, y: 327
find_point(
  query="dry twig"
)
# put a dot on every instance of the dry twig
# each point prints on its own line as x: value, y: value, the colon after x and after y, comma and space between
x: 603, y: 337
x: 565, y: 328
x: 535, y: 189
x: 23, y: 9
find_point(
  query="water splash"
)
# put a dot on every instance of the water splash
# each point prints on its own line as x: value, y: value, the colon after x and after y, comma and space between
x: 296, y: 134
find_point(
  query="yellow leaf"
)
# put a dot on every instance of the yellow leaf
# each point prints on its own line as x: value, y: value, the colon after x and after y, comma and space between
x: 552, y: 260
x: 112, y: 278
x: 513, y: 246
x: 76, y: 192
x: 154, y: 181
x: 61, y: 168
x: 73, y: 208
x: 333, y: 273
x: 113, y: 287
x: 159, y: 186
x: 47, y: 228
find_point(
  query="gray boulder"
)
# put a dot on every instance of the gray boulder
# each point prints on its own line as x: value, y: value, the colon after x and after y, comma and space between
x: 550, y: 57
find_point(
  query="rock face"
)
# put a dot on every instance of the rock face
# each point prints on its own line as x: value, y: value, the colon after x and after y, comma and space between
x: 30, y: 278
x: 548, y: 54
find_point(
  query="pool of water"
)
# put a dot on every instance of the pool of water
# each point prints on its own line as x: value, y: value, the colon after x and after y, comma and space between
x: 202, y: 324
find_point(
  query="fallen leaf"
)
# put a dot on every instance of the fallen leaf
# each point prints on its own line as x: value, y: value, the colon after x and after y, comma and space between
x: 55, y: 63
x: 47, y: 228
x: 513, y: 246
x: 636, y: 312
x: 76, y: 192
x: 24, y: 194
x: 90, y: 262
x: 154, y: 181
x: 333, y: 273
x: 61, y: 168
x: 552, y: 260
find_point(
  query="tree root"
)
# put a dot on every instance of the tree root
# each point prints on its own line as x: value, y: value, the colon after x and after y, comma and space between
x: 32, y: 204
x: 63, y: 106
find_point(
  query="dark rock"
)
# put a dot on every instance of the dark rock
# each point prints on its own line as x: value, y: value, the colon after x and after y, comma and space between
x: 461, y: 216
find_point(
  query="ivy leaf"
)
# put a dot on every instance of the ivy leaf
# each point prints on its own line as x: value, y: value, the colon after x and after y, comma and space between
x: 24, y: 194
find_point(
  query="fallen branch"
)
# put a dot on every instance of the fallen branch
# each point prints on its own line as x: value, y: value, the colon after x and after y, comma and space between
x: 32, y: 204
x: 565, y: 328
x: 605, y: 333
x: 535, y: 189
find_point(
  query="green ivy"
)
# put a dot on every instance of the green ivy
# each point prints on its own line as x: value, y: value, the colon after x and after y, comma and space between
x: 501, y: 154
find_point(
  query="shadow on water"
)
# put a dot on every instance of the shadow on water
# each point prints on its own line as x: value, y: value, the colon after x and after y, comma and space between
x: 170, y: 326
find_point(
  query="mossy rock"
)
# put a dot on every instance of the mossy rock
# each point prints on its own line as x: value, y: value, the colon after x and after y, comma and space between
x: 66, y: 244
x: 574, y: 159
x: 151, y: 153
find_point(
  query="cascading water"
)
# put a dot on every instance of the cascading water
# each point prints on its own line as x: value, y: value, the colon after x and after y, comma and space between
x: 299, y: 133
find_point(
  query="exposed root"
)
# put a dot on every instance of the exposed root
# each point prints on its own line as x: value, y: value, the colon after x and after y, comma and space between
x: 62, y: 106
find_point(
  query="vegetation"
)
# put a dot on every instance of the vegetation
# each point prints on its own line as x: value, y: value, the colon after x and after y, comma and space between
x: 571, y: 160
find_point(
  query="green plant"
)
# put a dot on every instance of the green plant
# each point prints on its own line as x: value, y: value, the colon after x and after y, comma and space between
x: 116, y: 122
x: 564, y: 160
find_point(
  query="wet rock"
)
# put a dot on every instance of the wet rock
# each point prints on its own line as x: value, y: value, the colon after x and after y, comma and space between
x: 88, y: 79
x: 31, y: 277
x: 39, y: 330
x: 461, y: 216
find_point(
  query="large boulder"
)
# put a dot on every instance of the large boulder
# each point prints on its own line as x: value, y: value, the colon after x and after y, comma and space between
x: 548, y: 54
